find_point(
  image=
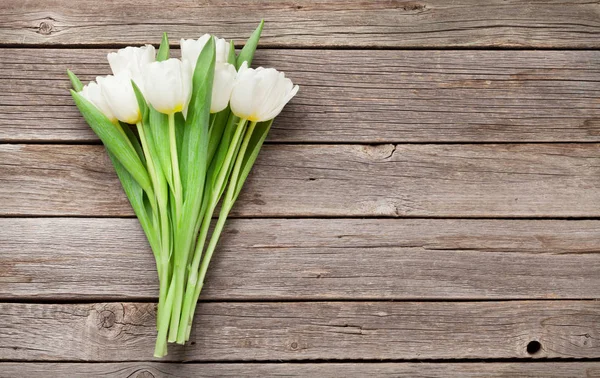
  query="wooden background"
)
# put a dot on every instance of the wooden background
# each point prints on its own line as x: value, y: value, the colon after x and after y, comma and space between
x: 428, y: 205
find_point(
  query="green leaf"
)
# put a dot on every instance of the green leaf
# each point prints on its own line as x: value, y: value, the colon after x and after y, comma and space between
x: 163, y: 50
x: 216, y: 132
x: 179, y: 131
x: 161, y: 188
x: 135, y: 194
x: 140, y: 100
x: 231, y: 58
x: 75, y: 82
x: 195, y: 141
x: 232, y: 165
x: 218, y: 157
x: 249, y: 48
x: 115, y: 141
x: 135, y: 142
x: 161, y: 150
x: 256, y: 141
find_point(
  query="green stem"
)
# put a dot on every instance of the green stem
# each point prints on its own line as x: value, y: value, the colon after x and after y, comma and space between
x: 160, y: 349
x: 149, y: 162
x: 179, y: 284
x: 164, y: 259
x: 175, y: 167
x: 226, y: 205
x: 193, y: 279
x: 163, y: 219
x: 225, y: 209
x: 149, y: 192
x: 238, y: 165
x: 179, y: 268
x: 153, y: 203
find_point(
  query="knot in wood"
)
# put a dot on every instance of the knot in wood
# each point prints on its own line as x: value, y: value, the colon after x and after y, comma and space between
x: 144, y: 374
x: 46, y: 27
x: 106, y: 319
x: 413, y: 7
x: 107, y: 316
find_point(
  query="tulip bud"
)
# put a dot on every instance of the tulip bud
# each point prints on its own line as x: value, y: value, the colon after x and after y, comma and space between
x: 260, y: 94
x: 168, y: 85
x: 93, y: 93
x: 222, y: 86
x: 119, y: 96
x: 132, y: 60
x: 191, y: 48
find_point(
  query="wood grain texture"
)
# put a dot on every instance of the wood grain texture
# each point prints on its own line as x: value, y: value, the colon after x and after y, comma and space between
x: 305, y: 330
x: 354, y: 96
x: 483, y: 180
x: 329, y: 370
x: 308, y: 259
x: 311, y: 23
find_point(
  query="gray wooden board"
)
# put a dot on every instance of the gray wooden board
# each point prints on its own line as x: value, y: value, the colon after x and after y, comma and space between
x: 335, y: 275
x: 307, y: 23
x: 300, y: 259
x: 353, y: 96
x: 329, y: 370
x: 451, y: 180
x: 305, y: 330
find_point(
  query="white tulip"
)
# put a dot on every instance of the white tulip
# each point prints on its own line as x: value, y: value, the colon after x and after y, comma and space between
x: 168, y: 85
x: 191, y: 48
x: 222, y: 48
x: 222, y: 86
x: 260, y: 94
x: 132, y: 60
x: 118, y: 93
x: 93, y: 93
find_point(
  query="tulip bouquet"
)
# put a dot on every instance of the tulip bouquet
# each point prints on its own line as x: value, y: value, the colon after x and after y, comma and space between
x: 183, y: 135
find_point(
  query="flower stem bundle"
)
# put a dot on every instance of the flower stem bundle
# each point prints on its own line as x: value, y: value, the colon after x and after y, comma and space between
x: 183, y: 135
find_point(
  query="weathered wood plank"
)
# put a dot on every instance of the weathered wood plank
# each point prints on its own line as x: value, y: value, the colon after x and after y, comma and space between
x: 329, y: 370
x: 260, y: 259
x: 313, y: 23
x: 355, y: 96
x: 305, y: 330
x: 482, y: 180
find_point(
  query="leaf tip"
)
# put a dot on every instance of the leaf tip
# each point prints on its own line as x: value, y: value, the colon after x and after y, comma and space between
x: 163, y: 49
x: 75, y: 82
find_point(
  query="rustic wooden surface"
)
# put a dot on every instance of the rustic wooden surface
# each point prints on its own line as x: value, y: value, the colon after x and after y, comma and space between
x: 410, y: 96
x: 311, y: 259
x: 424, y: 180
x: 306, y: 330
x: 329, y: 370
x: 427, y: 206
x: 311, y: 23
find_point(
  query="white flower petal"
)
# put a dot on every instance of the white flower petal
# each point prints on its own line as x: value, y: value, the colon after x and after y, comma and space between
x: 275, y: 112
x: 119, y: 95
x: 191, y: 49
x: 93, y: 93
x: 260, y: 94
x: 223, y: 82
x: 132, y: 60
x: 167, y: 85
x: 222, y: 50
